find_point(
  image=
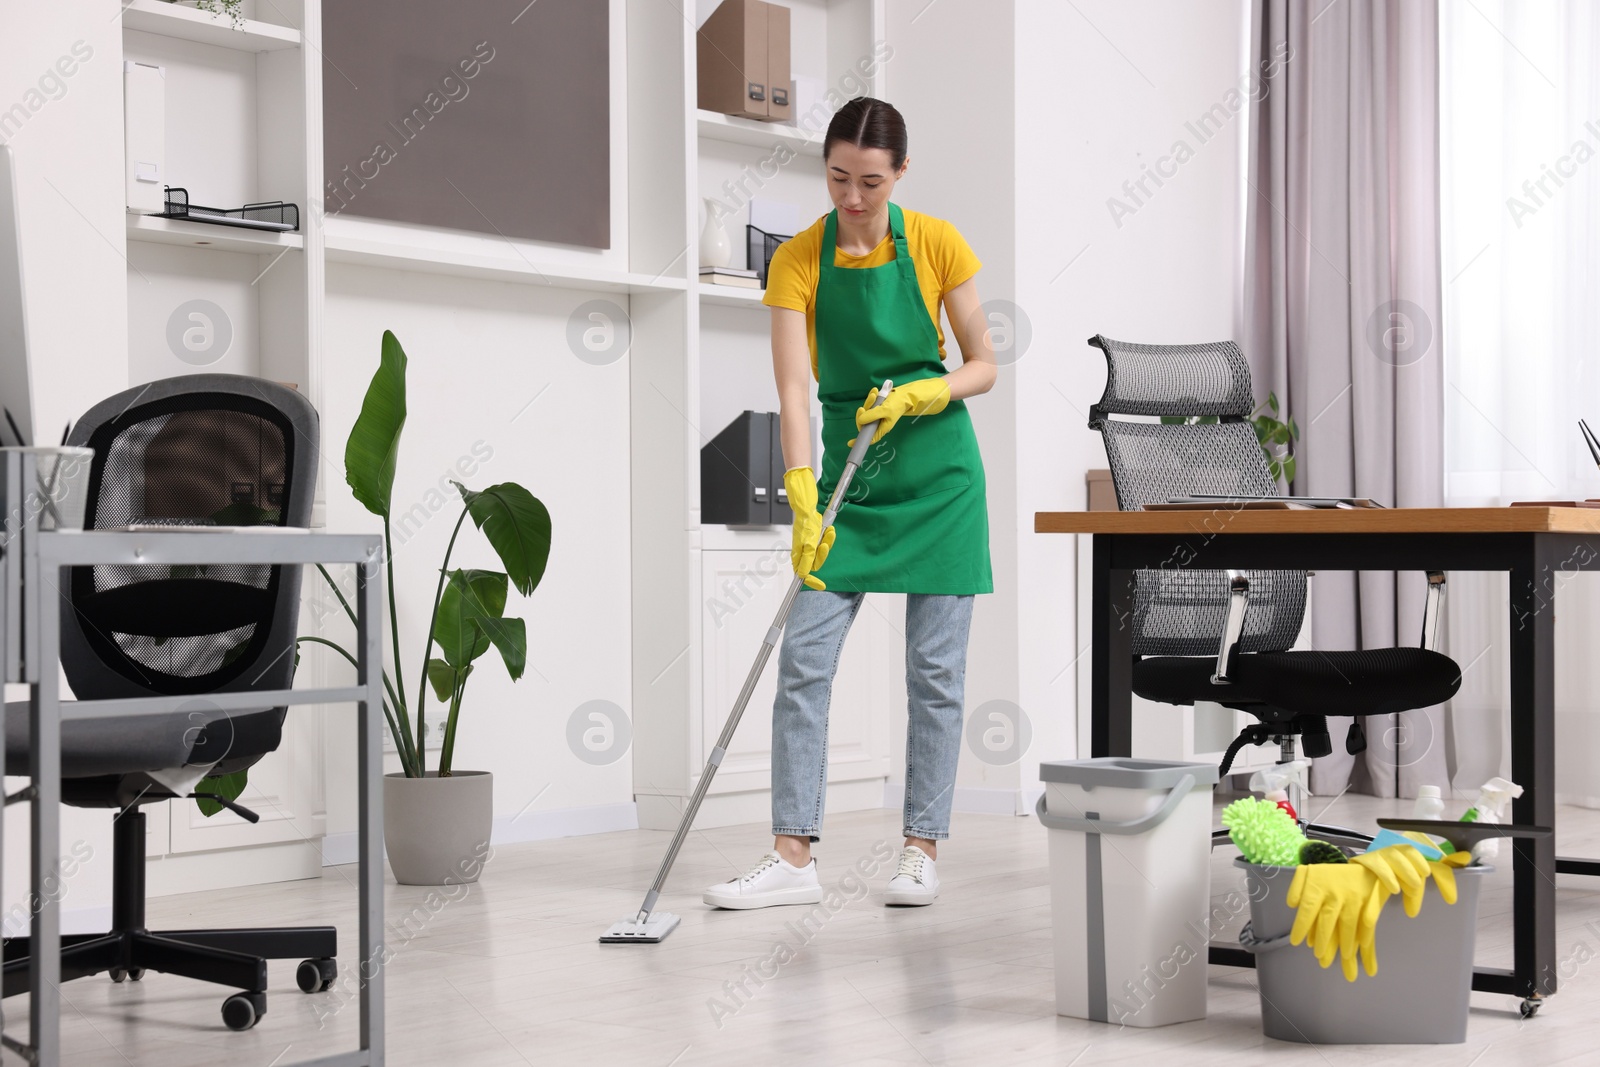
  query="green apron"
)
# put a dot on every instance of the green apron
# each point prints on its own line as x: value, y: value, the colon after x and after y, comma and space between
x: 916, y: 519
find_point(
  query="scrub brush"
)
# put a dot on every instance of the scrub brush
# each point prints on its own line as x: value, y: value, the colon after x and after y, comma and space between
x: 1314, y: 851
x: 1263, y: 832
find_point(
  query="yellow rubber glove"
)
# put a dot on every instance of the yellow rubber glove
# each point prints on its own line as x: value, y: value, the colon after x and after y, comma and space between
x: 810, y: 545
x: 1367, y: 930
x: 1332, y: 902
x: 927, y: 396
x: 1405, y: 865
x: 1444, y: 873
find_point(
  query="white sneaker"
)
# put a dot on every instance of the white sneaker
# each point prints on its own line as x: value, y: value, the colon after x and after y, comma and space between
x: 916, y: 882
x: 772, y: 881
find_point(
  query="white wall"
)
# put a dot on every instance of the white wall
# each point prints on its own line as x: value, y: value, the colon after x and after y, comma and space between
x: 1105, y: 87
x: 67, y: 139
x: 960, y: 119
x: 492, y: 383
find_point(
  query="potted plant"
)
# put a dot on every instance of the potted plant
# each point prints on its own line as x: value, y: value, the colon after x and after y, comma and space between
x: 437, y: 820
x: 1277, y: 438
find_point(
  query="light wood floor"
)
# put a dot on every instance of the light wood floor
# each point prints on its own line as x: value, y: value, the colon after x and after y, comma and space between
x: 511, y: 973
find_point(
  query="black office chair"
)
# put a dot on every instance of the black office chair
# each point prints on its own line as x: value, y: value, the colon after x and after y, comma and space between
x: 204, y: 449
x: 1224, y: 636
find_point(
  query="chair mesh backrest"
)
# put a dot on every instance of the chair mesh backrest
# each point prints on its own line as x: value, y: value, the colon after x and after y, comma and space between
x: 189, y: 461
x: 1178, y: 610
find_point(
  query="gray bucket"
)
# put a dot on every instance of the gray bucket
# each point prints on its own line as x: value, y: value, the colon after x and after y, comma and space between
x: 1419, y: 995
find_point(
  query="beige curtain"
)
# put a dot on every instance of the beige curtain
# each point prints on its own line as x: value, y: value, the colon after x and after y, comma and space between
x: 1342, y: 312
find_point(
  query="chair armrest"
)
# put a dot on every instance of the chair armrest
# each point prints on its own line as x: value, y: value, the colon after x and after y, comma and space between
x: 1432, y: 609
x: 1238, y: 600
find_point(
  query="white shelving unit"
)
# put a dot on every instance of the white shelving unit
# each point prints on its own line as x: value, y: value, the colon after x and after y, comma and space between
x: 244, y: 125
x: 715, y: 127
x: 189, y: 24
x: 509, y: 266
x: 715, y: 361
x: 730, y: 296
x: 206, y: 235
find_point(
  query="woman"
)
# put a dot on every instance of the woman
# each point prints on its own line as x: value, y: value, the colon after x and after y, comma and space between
x: 855, y: 299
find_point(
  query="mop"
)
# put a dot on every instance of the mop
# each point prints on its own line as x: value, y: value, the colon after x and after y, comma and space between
x: 650, y: 927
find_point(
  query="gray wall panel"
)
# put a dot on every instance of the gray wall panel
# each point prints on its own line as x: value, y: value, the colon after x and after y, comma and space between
x: 485, y: 115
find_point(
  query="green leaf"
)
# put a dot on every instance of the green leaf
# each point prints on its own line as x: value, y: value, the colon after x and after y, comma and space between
x: 481, y: 606
x: 1294, y: 429
x: 1288, y: 470
x: 1173, y: 420
x: 228, y: 785
x: 469, y: 596
x: 444, y: 678
x: 373, y: 449
x: 517, y: 524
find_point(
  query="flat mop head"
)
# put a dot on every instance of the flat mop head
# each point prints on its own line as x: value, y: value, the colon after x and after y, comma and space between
x: 632, y: 931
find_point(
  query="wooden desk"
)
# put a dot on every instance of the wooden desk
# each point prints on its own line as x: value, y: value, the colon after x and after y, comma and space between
x: 1535, y: 545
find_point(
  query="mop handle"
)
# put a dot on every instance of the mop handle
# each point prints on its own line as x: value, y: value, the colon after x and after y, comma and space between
x: 835, y: 502
x: 858, y: 452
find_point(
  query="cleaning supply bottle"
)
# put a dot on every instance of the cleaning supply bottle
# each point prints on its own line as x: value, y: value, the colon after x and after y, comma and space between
x: 1493, y: 797
x: 1430, y: 803
x: 1274, y: 783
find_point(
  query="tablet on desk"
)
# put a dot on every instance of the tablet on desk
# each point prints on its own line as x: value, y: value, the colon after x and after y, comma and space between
x: 1203, y: 502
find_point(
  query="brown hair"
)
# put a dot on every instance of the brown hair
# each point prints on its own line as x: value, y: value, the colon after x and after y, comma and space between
x: 868, y: 123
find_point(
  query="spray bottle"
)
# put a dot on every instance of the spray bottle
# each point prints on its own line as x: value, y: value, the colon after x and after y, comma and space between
x: 1493, y: 797
x: 1274, y: 783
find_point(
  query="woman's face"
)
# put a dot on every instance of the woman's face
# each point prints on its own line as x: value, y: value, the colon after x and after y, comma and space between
x: 860, y: 180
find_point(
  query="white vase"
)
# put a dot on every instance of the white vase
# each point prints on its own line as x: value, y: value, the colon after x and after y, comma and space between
x: 715, y: 249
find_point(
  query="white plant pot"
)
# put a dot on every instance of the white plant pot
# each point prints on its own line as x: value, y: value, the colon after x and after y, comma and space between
x: 436, y: 830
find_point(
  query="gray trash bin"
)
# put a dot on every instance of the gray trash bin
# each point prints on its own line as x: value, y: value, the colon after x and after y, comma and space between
x: 1130, y: 848
x: 1419, y: 995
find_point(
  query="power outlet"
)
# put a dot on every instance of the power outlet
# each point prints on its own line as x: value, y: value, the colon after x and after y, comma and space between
x: 435, y: 736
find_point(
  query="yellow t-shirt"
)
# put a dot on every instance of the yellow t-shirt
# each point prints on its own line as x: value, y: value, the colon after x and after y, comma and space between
x: 942, y: 258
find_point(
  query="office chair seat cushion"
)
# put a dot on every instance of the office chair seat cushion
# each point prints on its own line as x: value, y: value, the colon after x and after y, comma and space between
x: 128, y: 744
x: 1370, y: 682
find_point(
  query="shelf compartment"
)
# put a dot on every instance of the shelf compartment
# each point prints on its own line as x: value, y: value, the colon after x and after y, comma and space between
x: 191, y: 24
x: 726, y: 128
x: 203, y: 235
x: 366, y: 251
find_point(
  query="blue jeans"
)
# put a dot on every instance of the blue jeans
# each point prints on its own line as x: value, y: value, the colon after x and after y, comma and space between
x: 936, y: 673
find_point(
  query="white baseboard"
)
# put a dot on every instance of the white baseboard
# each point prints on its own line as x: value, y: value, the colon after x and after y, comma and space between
x: 974, y: 800
x: 564, y: 822
x: 340, y: 848
x: 87, y: 920
x: 751, y: 806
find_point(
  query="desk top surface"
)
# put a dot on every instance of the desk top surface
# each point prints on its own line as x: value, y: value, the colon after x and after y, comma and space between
x: 1223, y: 520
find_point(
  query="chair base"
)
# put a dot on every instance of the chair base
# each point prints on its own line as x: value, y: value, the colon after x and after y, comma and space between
x: 236, y: 958
x: 233, y: 957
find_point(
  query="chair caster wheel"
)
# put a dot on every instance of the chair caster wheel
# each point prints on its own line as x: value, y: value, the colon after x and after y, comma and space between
x: 243, y: 1010
x: 316, y: 976
x: 120, y: 974
x: 1530, y: 1007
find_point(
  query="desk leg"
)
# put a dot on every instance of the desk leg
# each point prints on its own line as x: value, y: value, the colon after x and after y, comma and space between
x: 369, y: 788
x: 1111, y: 658
x: 1533, y: 765
x: 44, y: 766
